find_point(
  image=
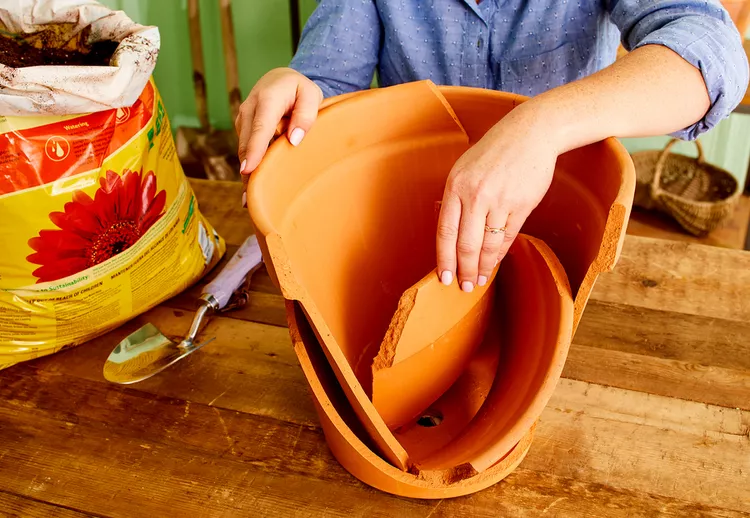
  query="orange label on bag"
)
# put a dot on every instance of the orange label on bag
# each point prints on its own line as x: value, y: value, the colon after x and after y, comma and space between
x: 43, y: 154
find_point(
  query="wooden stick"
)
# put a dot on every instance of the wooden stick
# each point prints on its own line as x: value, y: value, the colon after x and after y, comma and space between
x: 230, y: 58
x: 199, y: 71
x: 296, y: 25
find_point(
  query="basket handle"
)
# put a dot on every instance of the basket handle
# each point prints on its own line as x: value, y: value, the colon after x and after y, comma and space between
x: 655, y: 188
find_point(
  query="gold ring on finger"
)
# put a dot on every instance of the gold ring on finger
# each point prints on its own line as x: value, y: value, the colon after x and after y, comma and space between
x: 493, y: 230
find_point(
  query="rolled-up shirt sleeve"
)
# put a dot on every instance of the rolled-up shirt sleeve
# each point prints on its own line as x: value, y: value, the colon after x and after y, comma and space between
x: 703, y: 34
x: 339, y: 46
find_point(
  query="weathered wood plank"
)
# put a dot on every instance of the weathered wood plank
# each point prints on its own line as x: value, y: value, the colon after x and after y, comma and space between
x: 642, y: 442
x: 672, y: 378
x: 679, y: 277
x: 117, y: 475
x: 665, y: 334
x: 216, y: 460
x: 14, y: 506
x: 587, y: 432
x: 531, y: 493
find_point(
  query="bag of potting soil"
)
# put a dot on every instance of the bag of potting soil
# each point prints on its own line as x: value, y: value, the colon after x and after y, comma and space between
x: 98, y: 222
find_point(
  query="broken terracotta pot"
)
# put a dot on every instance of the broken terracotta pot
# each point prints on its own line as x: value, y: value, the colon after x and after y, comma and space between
x: 349, y: 309
x: 347, y: 225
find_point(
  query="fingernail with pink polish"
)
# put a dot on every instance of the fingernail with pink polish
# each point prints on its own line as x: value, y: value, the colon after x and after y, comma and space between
x: 482, y: 280
x: 446, y: 277
x: 467, y: 286
x: 242, y: 166
x: 296, y: 137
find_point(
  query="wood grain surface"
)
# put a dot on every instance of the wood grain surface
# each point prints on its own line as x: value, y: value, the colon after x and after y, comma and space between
x: 651, y: 418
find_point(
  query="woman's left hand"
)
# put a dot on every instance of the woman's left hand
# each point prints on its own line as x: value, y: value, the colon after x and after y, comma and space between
x: 497, y: 183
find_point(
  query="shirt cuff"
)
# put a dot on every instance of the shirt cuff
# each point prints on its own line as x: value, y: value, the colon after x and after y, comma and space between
x: 719, y: 56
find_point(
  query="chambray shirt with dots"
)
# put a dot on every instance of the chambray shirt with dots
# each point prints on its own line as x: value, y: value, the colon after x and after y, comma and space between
x: 519, y: 46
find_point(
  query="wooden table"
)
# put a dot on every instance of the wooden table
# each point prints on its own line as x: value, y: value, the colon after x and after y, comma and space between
x: 652, y: 416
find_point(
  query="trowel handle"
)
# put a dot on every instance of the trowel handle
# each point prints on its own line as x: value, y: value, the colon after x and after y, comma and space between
x: 245, y: 259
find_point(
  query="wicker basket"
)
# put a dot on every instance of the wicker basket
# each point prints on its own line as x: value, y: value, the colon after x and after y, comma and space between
x: 698, y: 195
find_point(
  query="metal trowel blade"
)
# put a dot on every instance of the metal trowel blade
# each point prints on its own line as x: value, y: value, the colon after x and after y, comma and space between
x: 144, y: 353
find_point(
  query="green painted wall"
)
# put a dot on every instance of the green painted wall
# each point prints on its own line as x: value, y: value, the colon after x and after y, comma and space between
x: 264, y: 41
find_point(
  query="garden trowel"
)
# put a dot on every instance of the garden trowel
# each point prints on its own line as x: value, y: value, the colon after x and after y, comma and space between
x: 147, y: 351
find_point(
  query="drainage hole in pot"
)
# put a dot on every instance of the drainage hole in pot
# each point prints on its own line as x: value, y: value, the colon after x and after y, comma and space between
x: 430, y: 419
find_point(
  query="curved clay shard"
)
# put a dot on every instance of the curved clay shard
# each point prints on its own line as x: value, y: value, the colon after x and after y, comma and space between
x: 435, y: 326
x: 526, y: 345
x: 351, y: 444
x: 337, y: 216
x: 532, y: 327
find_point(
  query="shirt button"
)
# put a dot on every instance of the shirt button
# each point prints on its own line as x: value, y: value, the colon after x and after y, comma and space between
x: 479, y: 43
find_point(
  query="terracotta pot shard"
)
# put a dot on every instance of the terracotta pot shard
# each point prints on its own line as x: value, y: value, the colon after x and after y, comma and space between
x: 337, y: 267
x: 435, y: 325
x: 531, y: 327
x: 504, y: 387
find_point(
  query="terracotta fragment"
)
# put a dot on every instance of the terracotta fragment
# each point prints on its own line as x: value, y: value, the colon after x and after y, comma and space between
x: 531, y: 327
x: 434, y: 325
x: 349, y: 278
x: 486, y: 416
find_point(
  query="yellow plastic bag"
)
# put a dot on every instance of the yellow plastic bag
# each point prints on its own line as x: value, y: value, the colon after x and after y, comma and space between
x: 98, y: 222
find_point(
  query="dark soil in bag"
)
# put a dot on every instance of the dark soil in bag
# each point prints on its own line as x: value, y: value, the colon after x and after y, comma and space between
x: 17, y: 54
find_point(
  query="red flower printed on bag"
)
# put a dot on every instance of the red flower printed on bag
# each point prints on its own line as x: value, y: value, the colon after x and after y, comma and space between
x: 94, y: 230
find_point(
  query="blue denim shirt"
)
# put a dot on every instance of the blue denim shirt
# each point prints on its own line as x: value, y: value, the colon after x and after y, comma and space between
x: 520, y: 46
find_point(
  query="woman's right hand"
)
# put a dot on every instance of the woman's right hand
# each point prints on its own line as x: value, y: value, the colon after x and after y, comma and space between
x: 280, y: 92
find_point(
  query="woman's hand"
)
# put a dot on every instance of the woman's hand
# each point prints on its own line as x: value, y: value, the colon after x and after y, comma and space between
x: 497, y: 183
x: 280, y: 92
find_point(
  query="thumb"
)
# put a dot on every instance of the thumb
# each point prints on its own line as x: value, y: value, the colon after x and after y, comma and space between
x: 305, y: 112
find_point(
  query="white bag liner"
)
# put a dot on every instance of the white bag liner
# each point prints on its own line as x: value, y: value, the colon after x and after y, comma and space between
x: 70, y: 90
